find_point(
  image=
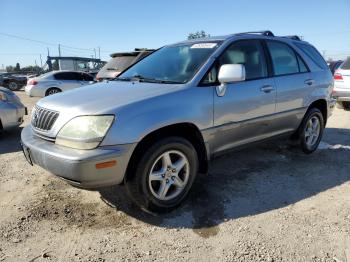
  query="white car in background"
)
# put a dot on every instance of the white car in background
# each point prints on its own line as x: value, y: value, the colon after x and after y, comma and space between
x: 341, y: 89
x: 57, y: 81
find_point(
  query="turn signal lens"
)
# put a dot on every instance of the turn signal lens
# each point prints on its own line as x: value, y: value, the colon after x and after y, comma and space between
x: 106, y: 164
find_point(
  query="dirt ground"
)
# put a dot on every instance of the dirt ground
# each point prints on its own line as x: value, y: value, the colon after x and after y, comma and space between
x: 267, y: 203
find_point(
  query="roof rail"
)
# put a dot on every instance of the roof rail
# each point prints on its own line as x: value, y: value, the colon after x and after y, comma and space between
x: 264, y: 32
x: 294, y: 37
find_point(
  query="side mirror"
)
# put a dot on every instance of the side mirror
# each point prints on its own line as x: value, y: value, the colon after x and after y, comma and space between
x: 229, y: 73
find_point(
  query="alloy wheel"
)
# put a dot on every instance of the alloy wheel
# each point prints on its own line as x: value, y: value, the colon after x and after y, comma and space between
x: 169, y: 175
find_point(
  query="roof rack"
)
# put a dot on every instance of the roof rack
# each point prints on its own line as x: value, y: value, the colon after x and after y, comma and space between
x: 294, y: 37
x: 264, y: 32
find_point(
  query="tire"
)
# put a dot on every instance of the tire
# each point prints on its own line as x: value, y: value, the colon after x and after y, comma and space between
x: 149, y: 175
x: 311, y: 130
x: 13, y: 86
x: 52, y: 91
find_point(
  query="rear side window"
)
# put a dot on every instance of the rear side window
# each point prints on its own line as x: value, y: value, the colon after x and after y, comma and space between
x: 283, y: 57
x: 346, y: 64
x: 67, y: 76
x: 313, y: 54
x: 87, y: 77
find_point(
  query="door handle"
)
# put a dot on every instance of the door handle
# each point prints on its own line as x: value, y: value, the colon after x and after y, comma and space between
x: 309, y: 82
x: 267, y: 89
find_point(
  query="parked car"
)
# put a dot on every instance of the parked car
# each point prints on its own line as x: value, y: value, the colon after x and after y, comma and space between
x: 11, y: 109
x: 160, y: 122
x: 341, y: 89
x: 334, y: 65
x: 13, y: 82
x: 56, y: 82
x: 121, y: 61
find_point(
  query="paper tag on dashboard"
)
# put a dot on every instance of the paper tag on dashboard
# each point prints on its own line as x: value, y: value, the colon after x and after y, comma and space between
x: 204, y: 45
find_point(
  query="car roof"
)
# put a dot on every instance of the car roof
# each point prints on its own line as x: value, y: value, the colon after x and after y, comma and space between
x: 256, y: 35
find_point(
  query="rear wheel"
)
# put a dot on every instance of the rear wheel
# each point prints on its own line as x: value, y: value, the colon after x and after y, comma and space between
x: 52, y: 91
x: 311, y: 130
x: 163, y: 176
x: 13, y: 86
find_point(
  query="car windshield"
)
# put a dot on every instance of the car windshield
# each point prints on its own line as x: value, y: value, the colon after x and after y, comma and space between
x: 171, y: 64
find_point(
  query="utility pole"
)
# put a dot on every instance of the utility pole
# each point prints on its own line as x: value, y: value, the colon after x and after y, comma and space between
x: 41, y: 61
x: 48, y: 51
x: 95, y: 52
x: 99, y: 53
x: 59, y: 49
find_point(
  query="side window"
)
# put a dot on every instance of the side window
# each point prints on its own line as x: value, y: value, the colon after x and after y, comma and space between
x: 87, y: 77
x: 76, y: 76
x: 314, y: 55
x: 302, y: 66
x: 283, y: 57
x: 61, y: 76
x: 248, y: 53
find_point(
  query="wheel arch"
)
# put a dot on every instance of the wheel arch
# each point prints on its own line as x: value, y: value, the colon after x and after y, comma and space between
x: 188, y: 131
x: 52, y: 87
x: 320, y: 104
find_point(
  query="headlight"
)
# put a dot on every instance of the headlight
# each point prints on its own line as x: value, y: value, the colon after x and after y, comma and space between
x: 84, y: 132
x: 3, y: 96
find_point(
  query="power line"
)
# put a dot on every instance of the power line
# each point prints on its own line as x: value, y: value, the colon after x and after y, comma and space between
x: 45, y: 43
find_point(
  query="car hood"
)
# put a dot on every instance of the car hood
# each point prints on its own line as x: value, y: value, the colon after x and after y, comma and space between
x: 104, y: 98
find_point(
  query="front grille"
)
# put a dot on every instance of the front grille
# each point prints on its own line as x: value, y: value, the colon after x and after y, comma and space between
x: 43, y: 119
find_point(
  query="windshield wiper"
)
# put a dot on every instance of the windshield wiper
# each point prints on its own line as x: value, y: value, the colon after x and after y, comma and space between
x: 141, y: 78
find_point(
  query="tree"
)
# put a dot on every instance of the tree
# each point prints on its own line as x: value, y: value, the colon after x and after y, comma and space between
x: 198, y: 34
x: 18, y: 67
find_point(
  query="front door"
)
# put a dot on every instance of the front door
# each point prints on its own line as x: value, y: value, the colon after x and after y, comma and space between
x: 241, y: 114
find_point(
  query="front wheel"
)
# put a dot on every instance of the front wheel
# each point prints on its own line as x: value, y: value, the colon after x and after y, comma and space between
x: 311, y: 130
x: 164, y: 174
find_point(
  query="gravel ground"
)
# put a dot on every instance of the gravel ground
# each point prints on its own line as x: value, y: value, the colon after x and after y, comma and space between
x: 265, y: 203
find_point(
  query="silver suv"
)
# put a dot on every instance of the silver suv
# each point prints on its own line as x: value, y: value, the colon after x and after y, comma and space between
x: 161, y: 121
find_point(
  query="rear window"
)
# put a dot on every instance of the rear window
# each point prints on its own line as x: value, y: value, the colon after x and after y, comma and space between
x: 313, y: 54
x: 119, y: 63
x: 346, y: 64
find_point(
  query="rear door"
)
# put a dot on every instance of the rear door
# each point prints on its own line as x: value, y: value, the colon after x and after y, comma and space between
x: 294, y: 83
x: 240, y: 115
x: 68, y: 80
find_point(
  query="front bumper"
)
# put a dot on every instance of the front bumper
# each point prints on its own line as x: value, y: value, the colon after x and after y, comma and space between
x: 78, y: 167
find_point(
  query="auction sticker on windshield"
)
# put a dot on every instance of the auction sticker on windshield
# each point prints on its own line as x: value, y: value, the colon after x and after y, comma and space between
x: 204, y: 45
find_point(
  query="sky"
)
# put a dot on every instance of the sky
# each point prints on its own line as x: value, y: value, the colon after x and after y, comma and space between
x: 81, y: 26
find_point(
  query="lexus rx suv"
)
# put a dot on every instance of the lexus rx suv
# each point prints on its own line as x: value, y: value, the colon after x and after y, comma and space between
x: 159, y: 123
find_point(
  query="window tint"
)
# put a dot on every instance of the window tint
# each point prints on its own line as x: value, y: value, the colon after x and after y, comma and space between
x: 248, y: 53
x: 313, y: 54
x: 283, y: 58
x: 87, y: 77
x: 302, y: 66
x: 61, y: 76
x: 68, y: 76
x: 346, y: 64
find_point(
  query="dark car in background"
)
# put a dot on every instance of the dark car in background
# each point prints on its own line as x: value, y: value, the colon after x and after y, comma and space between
x: 13, y: 82
x: 334, y: 65
x: 120, y: 61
